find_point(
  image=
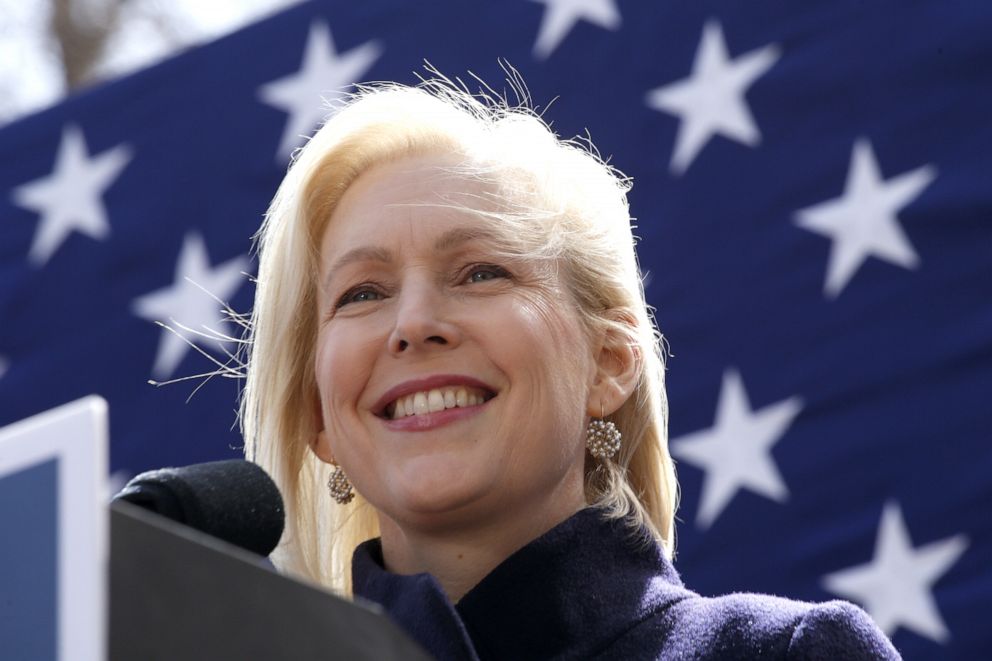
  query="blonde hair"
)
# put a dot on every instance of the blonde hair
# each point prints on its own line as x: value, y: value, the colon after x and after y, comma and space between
x: 558, y: 201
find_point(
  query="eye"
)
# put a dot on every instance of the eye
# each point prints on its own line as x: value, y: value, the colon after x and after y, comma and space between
x: 360, y: 294
x: 484, y: 272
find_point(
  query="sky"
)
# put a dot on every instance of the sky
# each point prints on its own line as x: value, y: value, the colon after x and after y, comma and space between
x: 30, y: 70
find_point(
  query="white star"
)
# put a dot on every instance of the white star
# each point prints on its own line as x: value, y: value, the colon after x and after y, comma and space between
x: 711, y: 100
x: 735, y: 452
x: 4, y: 364
x: 862, y: 222
x: 560, y: 16
x: 322, y: 78
x: 70, y: 197
x: 188, y: 302
x: 896, y: 587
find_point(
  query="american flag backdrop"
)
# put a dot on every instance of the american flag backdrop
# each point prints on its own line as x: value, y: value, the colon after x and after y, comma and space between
x: 813, y: 191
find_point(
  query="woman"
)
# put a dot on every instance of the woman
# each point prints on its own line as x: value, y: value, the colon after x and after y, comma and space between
x: 450, y: 333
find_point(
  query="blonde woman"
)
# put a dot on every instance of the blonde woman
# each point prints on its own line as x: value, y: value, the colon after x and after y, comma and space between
x: 457, y: 384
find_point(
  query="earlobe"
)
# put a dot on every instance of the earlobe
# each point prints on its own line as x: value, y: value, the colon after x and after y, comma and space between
x: 319, y: 443
x: 322, y: 448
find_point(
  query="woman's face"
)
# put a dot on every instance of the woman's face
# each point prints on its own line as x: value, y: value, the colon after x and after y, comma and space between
x: 453, y: 383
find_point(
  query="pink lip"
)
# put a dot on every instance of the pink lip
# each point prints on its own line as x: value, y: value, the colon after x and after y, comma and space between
x: 428, y: 383
x: 429, y: 421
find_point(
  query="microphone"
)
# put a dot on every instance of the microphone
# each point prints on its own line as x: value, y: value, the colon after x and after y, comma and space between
x: 234, y: 500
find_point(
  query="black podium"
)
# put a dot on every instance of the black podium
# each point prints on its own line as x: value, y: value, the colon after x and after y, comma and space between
x: 178, y: 594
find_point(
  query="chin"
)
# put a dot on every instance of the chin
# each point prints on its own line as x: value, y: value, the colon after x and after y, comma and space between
x: 437, y: 503
x: 438, y: 498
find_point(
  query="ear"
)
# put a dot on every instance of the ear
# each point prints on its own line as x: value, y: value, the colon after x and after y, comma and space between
x: 618, y: 367
x: 322, y: 448
x: 319, y: 443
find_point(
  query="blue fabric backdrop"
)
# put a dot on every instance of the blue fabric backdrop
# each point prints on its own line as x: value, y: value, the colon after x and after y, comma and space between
x: 812, y: 190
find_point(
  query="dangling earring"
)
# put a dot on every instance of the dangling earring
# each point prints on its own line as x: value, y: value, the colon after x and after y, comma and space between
x: 340, y: 487
x: 602, y: 438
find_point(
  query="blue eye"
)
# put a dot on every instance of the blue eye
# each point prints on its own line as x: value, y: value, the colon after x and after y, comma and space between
x: 359, y: 295
x: 485, y: 272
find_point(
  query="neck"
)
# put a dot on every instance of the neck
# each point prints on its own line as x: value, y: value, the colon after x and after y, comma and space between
x: 460, y: 557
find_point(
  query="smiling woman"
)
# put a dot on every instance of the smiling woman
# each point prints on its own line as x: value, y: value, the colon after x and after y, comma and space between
x: 446, y: 309
x: 423, y: 210
x: 450, y: 332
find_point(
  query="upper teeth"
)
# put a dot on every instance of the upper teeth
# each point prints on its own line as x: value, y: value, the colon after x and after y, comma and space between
x: 437, y: 399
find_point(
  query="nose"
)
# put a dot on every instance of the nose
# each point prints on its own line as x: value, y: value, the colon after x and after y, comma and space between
x: 422, y: 322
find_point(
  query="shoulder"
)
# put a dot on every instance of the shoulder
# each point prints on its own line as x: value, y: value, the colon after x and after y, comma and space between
x: 753, y: 626
x: 839, y: 630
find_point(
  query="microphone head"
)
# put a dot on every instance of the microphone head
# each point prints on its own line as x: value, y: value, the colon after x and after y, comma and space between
x: 234, y: 500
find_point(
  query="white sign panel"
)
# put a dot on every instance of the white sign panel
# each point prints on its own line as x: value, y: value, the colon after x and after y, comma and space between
x: 53, y: 512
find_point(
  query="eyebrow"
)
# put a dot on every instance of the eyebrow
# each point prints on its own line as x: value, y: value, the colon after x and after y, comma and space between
x: 362, y: 254
x: 449, y: 240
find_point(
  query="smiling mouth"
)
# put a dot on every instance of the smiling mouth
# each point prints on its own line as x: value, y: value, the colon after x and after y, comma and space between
x: 436, y: 399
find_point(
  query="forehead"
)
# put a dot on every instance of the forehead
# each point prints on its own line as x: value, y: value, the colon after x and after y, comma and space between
x: 422, y: 193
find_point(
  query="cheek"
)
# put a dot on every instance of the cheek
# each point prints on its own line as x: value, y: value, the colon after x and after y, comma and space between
x: 342, y: 364
x: 548, y: 345
x: 558, y: 340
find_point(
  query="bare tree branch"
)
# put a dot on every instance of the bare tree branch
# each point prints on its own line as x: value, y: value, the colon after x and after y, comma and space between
x: 82, y: 28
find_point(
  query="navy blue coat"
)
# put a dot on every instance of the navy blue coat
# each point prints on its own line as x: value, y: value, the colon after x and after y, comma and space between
x: 588, y: 588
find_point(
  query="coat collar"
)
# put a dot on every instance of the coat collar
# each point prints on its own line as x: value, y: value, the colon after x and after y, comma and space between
x: 570, y: 592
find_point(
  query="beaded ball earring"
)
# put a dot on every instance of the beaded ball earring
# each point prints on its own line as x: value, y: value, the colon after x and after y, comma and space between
x: 340, y: 487
x: 602, y: 438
